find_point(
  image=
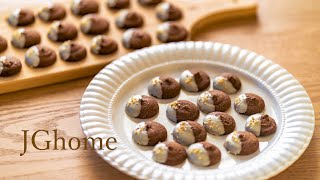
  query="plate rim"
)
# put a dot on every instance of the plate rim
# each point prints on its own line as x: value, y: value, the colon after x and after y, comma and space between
x: 118, y: 161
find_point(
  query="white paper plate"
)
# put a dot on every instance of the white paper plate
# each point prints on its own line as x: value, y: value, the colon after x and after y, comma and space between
x: 102, y: 110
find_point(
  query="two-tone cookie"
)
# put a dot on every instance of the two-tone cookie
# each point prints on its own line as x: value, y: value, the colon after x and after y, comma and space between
x: 25, y: 38
x: 9, y: 66
x: 94, y: 24
x: 128, y: 19
x: 103, y: 45
x: 203, y: 154
x: 261, y: 124
x: 227, y: 82
x: 194, y: 80
x: 72, y: 51
x: 241, y: 143
x: 182, y: 110
x: 52, y: 12
x: 141, y: 106
x: 21, y: 17
x: 171, y: 32
x: 166, y: 11
x: 248, y: 104
x: 169, y: 153
x: 61, y: 31
x: 219, y: 123
x: 149, y: 2
x: 149, y: 133
x: 136, y: 39
x: 40, y: 56
x: 117, y: 4
x: 83, y: 7
x: 3, y: 44
x: 213, y: 100
x: 189, y: 132
x: 164, y: 87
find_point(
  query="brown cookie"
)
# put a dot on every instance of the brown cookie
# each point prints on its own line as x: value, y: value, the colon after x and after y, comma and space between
x: 168, y: 12
x: 3, y: 44
x: 72, y: 51
x: 83, y: 7
x: 164, y: 87
x: 9, y: 66
x: 194, y: 80
x: 261, y: 125
x: 136, y: 39
x: 21, y: 17
x: 241, y: 143
x: 62, y: 31
x: 25, y: 38
x: 103, y: 45
x: 149, y: 2
x: 52, y: 12
x: 249, y: 104
x: 142, y: 107
x: 189, y: 132
x: 149, y: 133
x: 203, y: 154
x: 94, y: 24
x: 219, y: 123
x: 169, y: 153
x: 182, y: 110
x: 171, y: 32
x: 40, y: 56
x: 227, y: 82
x: 118, y: 4
x: 213, y: 100
x: 129, y: 19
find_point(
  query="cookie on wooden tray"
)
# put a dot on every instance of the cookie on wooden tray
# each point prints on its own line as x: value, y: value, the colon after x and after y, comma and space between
x: 164, y: 87
x: 141, y: 106
x: 248, y: 104
x: 61, y: 31
x: 194, y: 80
x: 72, y: 51
x: 52, y: 12
x: 21, y: 17
x: 3, y: 44
x: 149, y: 133
x: 9, y: 66
x: 261, y: 124
x: 203, y: 154
x: 149, y: 2
x: 83, y: 7
x: 25, y: 38
x: 213, y: 100
x: 169, y: 153
x: 219, y: 123
x: 40, y: 56
x: 189, y: 132
x: 171, y: 32
x: 166, y: 11
x: 241, y: 143
x: 117, y: 4
x: 103, y: 45
x: 128, y: 19
x: 227, y: 82
x: 136, y: 39
x: 94, y: 24
x: 182, y: 110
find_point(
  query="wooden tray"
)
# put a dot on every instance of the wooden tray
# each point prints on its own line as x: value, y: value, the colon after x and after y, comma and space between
x: 196, y: 15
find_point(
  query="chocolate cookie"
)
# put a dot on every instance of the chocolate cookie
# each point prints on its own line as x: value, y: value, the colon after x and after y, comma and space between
x: 169, y: 153
x: 149, y: 133
x: 168, y: 12
x: 227, y: 82
x: 25, y: 38
x: 249, y: 104
x: 40, y: 56
x: 142, y: 107
x: 52, y: 12
x: 72, y: 51
x: 3, y: 44
x: 194, y: 80
x: 128, y: 19
x: 213, y: 100
x: 171, y: 32
x: 94, y: 24
x: 182, y: 110
x: 118, y: 4
x: 21, y: 17
x: 149, y: 2
x: 203, y: 154
x: 261, y: 125
x: 103, y: 45
x: 164, y: 87
x: 9, y: 66
x: 62, y: 31
x: 83, y: 7
x: 241, y: 143
x: 219, y: 123
x: 136, y: 39
x: 189, y: 132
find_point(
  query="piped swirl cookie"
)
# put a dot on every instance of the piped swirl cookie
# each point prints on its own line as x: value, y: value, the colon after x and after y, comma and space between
x: 128, y: 19
x: 72, y: 51
x: 136, y: 39
x: 149, y: 133
x: 40, y: 56
x: 9, y: 66
x: 189, y: 132
x: 203, y: 154
x: 249, y: 104
x: 227, y: 82
x: 219, y: 123
x: 52, y: 12
x: 171, y: 32
x: 194, y: 80
x: 83, y: 7
x: 117, y: 4
x: 62, y: 31
x: 25, y: 38
x: 213, y: 100
x: 182, y: 110
x: 21, y: 17
x: 103, y: 45
x: 141, y: 106
x: 261, y: 124
x: 166, y: 11
x: 164, y: 87
x: 241, y: 143
x: 94, y: 24
x: 169, y: 153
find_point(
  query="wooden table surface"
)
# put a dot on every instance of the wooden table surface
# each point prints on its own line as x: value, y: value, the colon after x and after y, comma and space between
x: 286, y: 31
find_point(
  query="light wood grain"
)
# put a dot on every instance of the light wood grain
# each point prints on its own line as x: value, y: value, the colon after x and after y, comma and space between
x: 194, y: 13
x: 286, y: 31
